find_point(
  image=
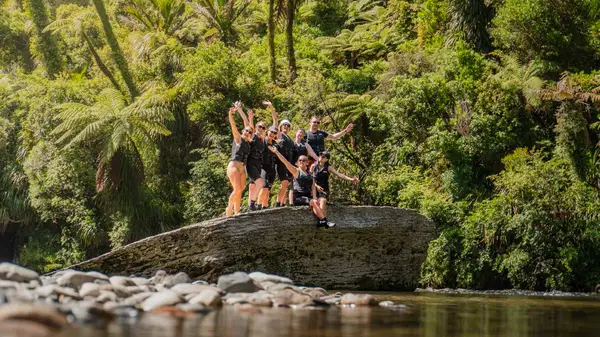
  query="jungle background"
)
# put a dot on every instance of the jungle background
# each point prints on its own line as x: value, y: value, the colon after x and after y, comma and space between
x: 480, y: 114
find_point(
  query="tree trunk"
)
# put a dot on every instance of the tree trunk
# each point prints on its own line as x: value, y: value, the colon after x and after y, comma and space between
x: 48, y: 46
x: 101, y: 64
x: 271, y: 28
x: 116, y: 51
x: 289, y: 33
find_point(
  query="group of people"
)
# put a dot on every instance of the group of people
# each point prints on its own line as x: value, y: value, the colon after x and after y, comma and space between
x: 264, y: 153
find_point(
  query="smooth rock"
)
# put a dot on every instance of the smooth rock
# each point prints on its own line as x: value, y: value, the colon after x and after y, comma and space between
x: 4, y: 285
x: 137, y: 299
x: 91, y: 313
x: 44, y: 315
x: 121, y: 281
x: 47, y: 290
x: 158, y: 277
x: 12, y: 272
x: 98, y: 275
x: 140, y: 281
x: 262, y: 277
x: 207, y: 298
x: 288, y: 297
x: 33, y: 284
x: 164, y: 298
x: 89, y: 289
x: 238, y: 282
x: 75, y: 279
x: 132, y: 290
x: 106, y: 296
x: 358, y: 300
x: 200, y: 282
x: 188, y: 288
x: 68, y: 292
x: 120, y: 291
x: 275, y: 287
x: 198, y: 308
x: 261, y: 299
x: 20, y: 328
x: 172, y: 280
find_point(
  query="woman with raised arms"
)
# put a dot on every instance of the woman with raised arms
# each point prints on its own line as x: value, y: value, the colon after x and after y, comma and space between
x: 236, y: 170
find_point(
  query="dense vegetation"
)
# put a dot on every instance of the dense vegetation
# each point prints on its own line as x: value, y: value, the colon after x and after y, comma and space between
x: 481, y: 114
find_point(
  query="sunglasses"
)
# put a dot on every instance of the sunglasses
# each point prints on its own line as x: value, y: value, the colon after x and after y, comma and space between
x: 316, y: 122
x: 302, y: 160
x: 246, y: 131
x: 262, y: 127
x: 286, y: 126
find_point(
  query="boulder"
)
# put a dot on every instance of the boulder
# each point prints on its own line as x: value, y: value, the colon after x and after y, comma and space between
x: 12, y: 272
x: 238, y: 282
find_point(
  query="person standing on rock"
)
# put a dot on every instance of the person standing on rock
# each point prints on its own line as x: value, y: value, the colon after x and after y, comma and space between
x: 236, y: 170
x: 305, y: 193
x: 316, y: 137
x: 320, y: 171
x: 285, y: 147
x: 268, y: 172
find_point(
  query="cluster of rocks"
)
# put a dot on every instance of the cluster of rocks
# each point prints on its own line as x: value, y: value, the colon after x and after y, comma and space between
x: 50, y: 303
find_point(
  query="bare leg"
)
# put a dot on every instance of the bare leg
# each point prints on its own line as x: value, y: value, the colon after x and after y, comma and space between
x: 237, y: 203
x: 281, y: 196
x: 251, y: 189
x: 323, y: 206
x: 291, y: 197
x: 316, y: 209
x: 255, y: 188
x: 233, y: 175
x: 263, y: 197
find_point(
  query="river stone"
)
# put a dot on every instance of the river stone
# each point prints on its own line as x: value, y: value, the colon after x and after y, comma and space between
x: 106, y: 296
x: 68, y: 292
x: 75, y: 279
x: 331, y: 299
x: 358, y: 300
x: 4, y: 285
x: 140, y: 281
x: 126, y: 311
x: 315, y: 293
x: 158, y: 277
x: 275, y: 287
x: 137, y: 298
x: 89, y: 289
x: 121, y: 281
x: 238, y: 282
x: 193, y: 307
x: 98, y: 275
x: 262, y: 277
x: 12, y: 272
x: 188, y: 288
x: 164, y: 298
x: 288, y: 297
x: 261, y: 299
x: 200, y: 282
x: 88, y: 312
x: 207, y: 298
x: 19, y: 328
x: 179, y: 278
x: 47, y: 316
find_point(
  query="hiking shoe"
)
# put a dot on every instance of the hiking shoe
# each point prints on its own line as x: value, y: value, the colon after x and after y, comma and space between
x: 329, y: 224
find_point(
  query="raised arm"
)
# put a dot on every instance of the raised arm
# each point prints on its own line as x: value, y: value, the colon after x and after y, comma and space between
x: 251, y: 118
x: 341, y: 134
x: 311, y: 152
x: 354, y: 180
x: 293, y: 170
x: 237, y: 138
x: 273, y: 113
x: 238, y: 107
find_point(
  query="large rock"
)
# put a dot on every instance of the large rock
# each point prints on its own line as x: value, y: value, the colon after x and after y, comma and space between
x: 371, y: 248
x: 207, y: 298
x: 75, y: 279
x: 238, y: 282
x: 12, y: 272
x: 164, y: 298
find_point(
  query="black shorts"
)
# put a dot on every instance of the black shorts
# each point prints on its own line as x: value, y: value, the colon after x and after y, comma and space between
x: 302, y: 201
x: 253, y: 168
x: 269, y: 177
x: 283, y: 173
x: 323, y: 195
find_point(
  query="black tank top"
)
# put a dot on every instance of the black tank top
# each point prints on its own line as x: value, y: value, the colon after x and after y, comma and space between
x: 286, y: 147
x: 299, y: 150
x: 321, y: 174
x: 257, y: 147
x: 240, y: 152
x: 303, y: 185
x: 268, y: 157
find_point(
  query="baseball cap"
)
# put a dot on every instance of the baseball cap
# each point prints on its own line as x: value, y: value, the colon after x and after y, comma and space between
x: 325, y: 154
x: 285, y: 121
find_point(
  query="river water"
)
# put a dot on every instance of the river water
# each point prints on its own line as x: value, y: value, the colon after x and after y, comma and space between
x: 422, y: 314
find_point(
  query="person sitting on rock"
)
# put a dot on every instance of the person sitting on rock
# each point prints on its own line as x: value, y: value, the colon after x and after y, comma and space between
x: 320, y: 171
x: 305, y: 192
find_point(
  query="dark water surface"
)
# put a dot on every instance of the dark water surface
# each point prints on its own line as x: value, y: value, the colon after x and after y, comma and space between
x: 425, y: 314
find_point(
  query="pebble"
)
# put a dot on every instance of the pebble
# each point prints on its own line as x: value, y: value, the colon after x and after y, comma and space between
x: 164, y: 298
x: 12, y: 272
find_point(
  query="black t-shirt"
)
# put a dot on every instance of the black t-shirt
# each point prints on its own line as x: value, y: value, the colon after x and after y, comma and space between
x: 286, y: 147
x: 321, y: 174
x: 300, y: 150
x: 268, y: 157
x: 317, y: 140
x: 257, y: 148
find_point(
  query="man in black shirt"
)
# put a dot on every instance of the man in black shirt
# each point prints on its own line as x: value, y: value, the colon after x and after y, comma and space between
x: 316, y: 138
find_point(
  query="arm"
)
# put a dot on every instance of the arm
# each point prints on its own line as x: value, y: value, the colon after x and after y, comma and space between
x: 293, y: 170
x: 343, y: 176
x: 238, y: 107
x: 341, y: 134
x: 273, y: 113
x: 311, y: 152
x: 237, y: 138
x: 251, y: 118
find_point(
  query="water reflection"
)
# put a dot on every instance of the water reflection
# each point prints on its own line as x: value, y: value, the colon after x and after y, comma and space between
x: 426, y: 315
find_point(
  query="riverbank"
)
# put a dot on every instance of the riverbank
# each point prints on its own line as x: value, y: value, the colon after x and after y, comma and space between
x: 34, y: 305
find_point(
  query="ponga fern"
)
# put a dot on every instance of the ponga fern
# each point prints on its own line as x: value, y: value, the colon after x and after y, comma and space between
x: 124, y: 135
